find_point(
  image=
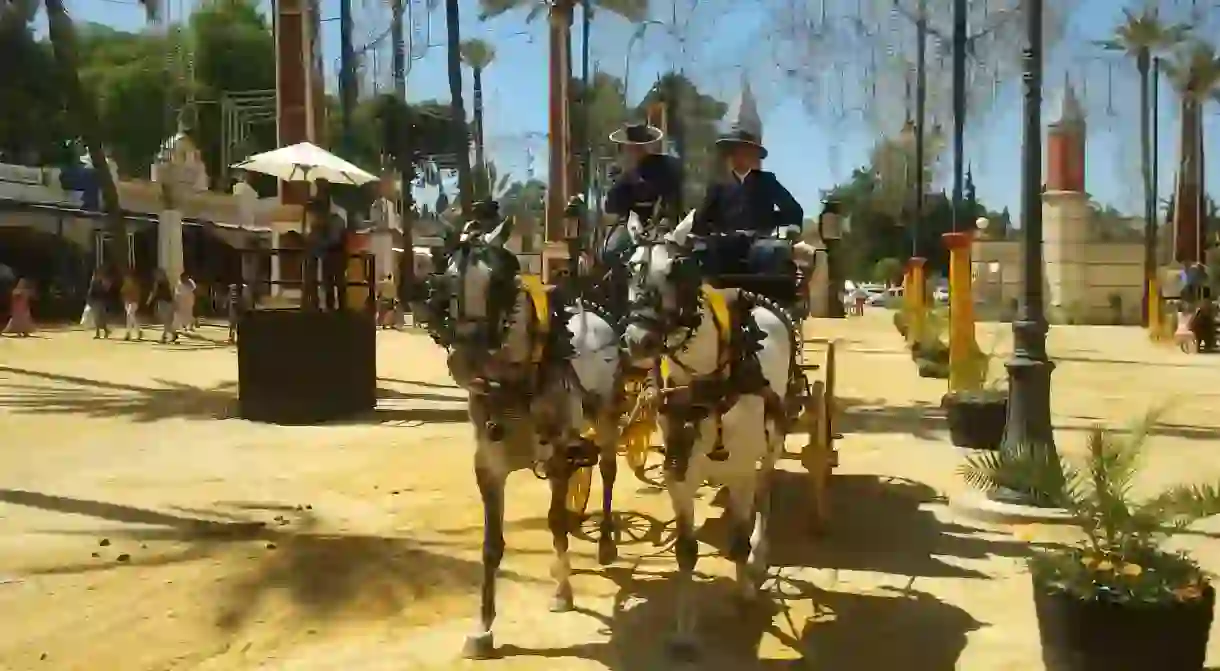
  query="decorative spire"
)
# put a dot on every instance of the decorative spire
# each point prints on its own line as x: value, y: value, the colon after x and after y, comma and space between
x: 1067, y: 110
x: 743, y: 114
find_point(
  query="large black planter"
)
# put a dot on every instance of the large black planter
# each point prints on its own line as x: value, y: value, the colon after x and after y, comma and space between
x: 1081, y: 635
x: 976, y: 422
x: 306, y: 367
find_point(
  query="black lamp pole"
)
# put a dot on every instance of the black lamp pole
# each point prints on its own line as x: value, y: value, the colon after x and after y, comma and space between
x: 1029, y: 371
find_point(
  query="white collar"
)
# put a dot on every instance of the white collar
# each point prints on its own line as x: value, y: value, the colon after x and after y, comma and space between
x: 741, y: 176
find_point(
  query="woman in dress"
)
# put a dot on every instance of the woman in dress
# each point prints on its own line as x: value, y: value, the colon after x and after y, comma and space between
x: 21, y: 322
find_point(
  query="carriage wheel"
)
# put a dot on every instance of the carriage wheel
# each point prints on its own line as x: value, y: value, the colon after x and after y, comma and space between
x: 579, y: 484
x: 816, y: 456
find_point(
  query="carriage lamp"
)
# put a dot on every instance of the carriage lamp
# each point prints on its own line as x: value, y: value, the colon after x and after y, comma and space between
x: 830, y: 229
x: 573, y: 214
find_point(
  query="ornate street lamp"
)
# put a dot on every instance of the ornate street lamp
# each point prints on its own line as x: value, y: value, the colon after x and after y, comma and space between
x: 830, y: 229
x: 573, y: 215
x: 1028, y: 428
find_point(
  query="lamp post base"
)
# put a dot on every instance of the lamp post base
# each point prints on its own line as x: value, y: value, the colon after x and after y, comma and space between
x: 1027, y: 429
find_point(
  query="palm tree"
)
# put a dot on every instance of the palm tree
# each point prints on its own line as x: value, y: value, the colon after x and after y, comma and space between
x: 1142, y: 37
x: 478, y: 54
x: 560, y: 13
x: 1195, y: 74
x: 462, y: 145
x: 83, y: 110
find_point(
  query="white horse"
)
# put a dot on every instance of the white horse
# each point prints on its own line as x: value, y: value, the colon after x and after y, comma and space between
x: 540, y: 393
x: 674, y: 316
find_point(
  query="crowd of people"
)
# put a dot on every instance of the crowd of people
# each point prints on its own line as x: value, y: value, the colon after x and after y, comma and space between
x: 171, y: 304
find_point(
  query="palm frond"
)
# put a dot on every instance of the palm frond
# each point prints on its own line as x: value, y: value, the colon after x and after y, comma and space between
x: 490, y: 9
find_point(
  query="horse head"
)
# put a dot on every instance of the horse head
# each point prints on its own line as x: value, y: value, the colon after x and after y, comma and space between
x: 663, y: 286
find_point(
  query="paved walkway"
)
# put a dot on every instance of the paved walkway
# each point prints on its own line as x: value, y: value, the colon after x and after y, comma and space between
x: 143, y: 528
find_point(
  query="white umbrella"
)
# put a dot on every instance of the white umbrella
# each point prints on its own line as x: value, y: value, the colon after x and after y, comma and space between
x: 305, y: 162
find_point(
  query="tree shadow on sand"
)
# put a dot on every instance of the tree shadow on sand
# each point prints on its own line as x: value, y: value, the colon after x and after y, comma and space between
x: 888, y: 629
x: 43, y: 393
x: 879, y: 524
x: 919, y: 419
x: 326, y: 575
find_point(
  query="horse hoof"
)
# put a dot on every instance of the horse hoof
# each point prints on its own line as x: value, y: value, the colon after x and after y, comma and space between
x: 607, y: 552
x: 683, y: 649
x: 479, y: 646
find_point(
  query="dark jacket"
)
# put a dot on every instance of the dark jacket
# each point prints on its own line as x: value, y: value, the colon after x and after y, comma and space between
x: 757, y: 203
x: 657, y: 177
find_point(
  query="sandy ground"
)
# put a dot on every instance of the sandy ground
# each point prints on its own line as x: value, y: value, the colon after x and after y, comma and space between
x: 130, y: 504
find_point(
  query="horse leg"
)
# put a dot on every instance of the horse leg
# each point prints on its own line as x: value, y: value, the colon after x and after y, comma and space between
x: 741, y: 513
x: 759, y: 544
x: 684, y: 644
x: 481, y: 644
x: 560, y: 522
x: 607, y: 546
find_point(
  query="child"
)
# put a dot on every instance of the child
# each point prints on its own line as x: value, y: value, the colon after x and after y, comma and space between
x: 20, y: 322
x: 237, y: 307
x: 131, y: 305
x: 98, y: 298
x: 161, y: 298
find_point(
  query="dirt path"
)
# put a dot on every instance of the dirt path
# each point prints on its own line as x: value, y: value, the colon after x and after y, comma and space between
x: 143, y: 529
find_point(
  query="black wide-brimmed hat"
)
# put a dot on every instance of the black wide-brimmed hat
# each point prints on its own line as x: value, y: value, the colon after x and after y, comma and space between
x: 738, y: 136
x: 636, y: 133
x: 486, y: 209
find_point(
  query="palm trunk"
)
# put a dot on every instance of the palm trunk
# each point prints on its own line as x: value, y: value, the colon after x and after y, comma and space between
x: 1143, y: 62
x: 1188, y: 199
x: 461, y: 130
x: 484, y: 188
x: 84, y: 112
x: 560, y: 72
x: 404, y: 155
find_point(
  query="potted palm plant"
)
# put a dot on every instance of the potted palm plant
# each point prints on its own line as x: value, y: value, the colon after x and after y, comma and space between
x: 977, y: 409
x: 1118, y: 600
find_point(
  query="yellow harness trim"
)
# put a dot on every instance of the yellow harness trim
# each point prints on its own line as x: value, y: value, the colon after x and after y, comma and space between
x: 719, y: 308
x: 540, y: 299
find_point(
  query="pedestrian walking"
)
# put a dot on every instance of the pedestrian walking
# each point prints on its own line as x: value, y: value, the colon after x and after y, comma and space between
x: 131, y: 306
x: 161, y: 299
x: 98, y: 304
x: 21, y: 321
x: 237, y: 308
x: 184, y: 302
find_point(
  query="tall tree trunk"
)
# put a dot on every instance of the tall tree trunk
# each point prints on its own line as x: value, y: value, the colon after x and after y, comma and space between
x: 560, y: 22
x: 1189, y: 194
x: 462, y: 132
x: 484, y: 188
x: 84, y: 113
x: 404, y: 159
x: 1143, y: 62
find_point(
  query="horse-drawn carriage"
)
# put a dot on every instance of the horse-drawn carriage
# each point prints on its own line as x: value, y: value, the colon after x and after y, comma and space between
x: 766, y: 266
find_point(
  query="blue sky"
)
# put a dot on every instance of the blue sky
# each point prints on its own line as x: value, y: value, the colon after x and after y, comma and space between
x: 808, y: 152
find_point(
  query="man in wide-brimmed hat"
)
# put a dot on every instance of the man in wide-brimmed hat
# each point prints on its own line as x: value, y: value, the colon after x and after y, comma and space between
x: 751, y: 199
x: 651, y: 183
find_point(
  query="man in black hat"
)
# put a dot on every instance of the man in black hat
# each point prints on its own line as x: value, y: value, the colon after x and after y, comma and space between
x: 485, y: 217
x: 751, y: 199
x: 650, y: 183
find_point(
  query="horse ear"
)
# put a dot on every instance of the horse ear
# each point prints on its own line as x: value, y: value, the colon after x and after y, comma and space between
x: 635, y: 227
x: 499, y: 237
x: 681, y: 233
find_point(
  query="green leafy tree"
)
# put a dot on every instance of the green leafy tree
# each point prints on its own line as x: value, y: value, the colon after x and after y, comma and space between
x: 34, y: 127
x: 84, y: 114
x: 887, y: 270
x: 1195, y: 75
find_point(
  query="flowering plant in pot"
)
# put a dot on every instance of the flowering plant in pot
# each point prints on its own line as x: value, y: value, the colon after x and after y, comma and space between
x: 1118, y: 600
x: 976, y: 407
